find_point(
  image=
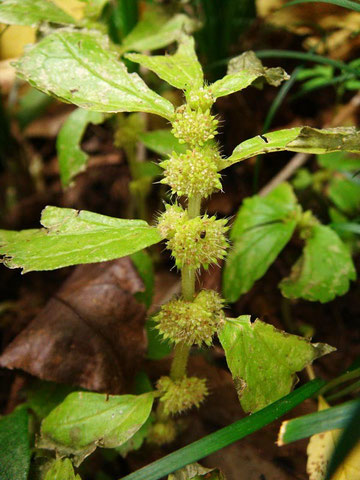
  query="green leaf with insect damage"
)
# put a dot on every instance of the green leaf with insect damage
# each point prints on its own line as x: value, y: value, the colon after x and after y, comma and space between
x: 261, y: 230
x: 79, y: 67
x: 246, y: 70
x: 298, y: 139
x: 32, y: 13
x: 181, y: 70
x: 324, y: 270
x: 263, y: 360
x: 85, y: 420
x: 72, y: 160
x: 61, y: 470
x: 73, y: 237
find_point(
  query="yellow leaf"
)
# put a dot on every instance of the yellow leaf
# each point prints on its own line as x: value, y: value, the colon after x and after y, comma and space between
x: 320, y: 449
x: 75, y: 8
x: 14, y: 39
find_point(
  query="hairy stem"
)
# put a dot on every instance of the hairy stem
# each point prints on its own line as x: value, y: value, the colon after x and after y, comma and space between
x: 181, y: 351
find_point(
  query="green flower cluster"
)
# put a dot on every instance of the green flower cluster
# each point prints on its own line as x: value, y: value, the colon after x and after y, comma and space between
x: 180, y: 395
x: 191, y: 322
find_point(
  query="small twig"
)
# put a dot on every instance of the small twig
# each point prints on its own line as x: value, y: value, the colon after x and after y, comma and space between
x: 301, y: 158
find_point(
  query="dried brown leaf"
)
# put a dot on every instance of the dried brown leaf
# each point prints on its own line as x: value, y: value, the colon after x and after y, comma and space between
x: 89, y: 334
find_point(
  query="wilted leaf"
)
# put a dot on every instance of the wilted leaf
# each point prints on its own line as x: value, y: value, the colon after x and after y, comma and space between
x: 195, y: 471
x: 78, y: 67
x: 181, y: 70
x: 162, y: 142
x: 32, y: 12
x: 85, y: 420
x: 72, y: 160
x: 156, y: 30
x: 323, y: 271
x: 244, y: 70
x: 261, y: 230
x: 90, y: 334
x: 61, y: 470
x: 298, y: 139
x: 15, y: 452
x: 71, y: 237
x: 320, y: 449
x: 263, y: 360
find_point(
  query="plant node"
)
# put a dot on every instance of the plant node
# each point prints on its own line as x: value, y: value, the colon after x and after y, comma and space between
x: 180, y: 395
x: 191, y: 322
x: 194, y: 126
x: 200, y: 241
x: 193, y: 173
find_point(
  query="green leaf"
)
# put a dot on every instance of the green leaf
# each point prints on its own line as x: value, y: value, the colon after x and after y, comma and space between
x: 15, y: 452
x: 136, y: 441
x: 317, y: 422
x: 339, y: 161
x: 225, y: 436
x: 298, y: 139
x: 244, y: 70
x: 341, y: 3
x: 32, y: 13
x: 88, y: 420
x: 61, y: 470
x: 261, y: 230
x: 72, y: 160
x: 162, y: 142
x: 323, y: 271
x: 263, y: 360
x: 156, y: 30
x: 144, y: 265
x: 345, y: 195
x: 79, y: 67
x: 71, y: 237
x: 348, y: 440
x: 195, y: 471
x: 181, y: 70
x: 94, y: 8
x: 42, y: 397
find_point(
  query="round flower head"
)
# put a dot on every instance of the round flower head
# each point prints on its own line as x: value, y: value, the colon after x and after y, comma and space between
x: 171, y: 220
x: 200, y: 241
x: 200, y: 99
x: 162, y: 432
x: 191, y: 322
x: 180, y: 395
x: 194, y: 126
x: 193, y: 173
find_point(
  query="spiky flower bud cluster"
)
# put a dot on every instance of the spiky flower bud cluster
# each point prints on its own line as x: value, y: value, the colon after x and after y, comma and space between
x: 200, y: 241
x: 180, y: 395
x: 193, y: 173
x: 194, y: 127
x: 200, y: 99
x: 162, y: 432
x: 191, y: 322
x: 171, y: 220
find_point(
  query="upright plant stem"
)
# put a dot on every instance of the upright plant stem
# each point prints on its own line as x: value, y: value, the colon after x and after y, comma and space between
x: 182, y: 350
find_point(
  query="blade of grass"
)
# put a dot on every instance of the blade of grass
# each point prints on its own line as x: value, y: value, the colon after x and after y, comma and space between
x: 347, y: 441
x: 225, y: 436
x: 352, y: 388
x: 341, y: 3
x: 317, y: 422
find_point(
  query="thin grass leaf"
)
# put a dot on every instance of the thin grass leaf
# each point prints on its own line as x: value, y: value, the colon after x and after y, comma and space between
x: 317, y: 422
x: 349, y: 438
x: 225, y: 436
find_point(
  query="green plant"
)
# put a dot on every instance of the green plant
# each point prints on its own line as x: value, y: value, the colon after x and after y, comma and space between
x: 79, y: 66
